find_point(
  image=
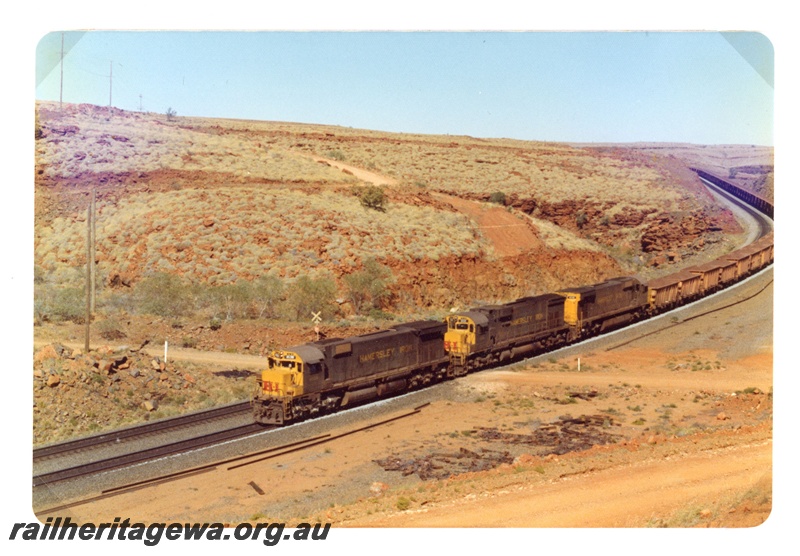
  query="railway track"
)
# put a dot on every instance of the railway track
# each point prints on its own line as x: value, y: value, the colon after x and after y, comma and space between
x: 231, y: 463
x: 762, y: 220
x: 149, y: 454
x: 64, y: 449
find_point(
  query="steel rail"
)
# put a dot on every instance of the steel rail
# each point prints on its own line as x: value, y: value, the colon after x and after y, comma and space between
x: 145, y: 455
x: 94, y: 441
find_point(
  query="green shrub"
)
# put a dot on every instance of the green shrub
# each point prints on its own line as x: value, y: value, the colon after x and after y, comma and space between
x: 189, y: 342
x: 164, y: 295
x: 39, y: 274
x: 70, y: 304
x: 54, y: 303
x: 498, y: 197
x: 110, y: 329
x: 267, y: 293
x: 379, y: 314
x: 367, y: 288
x: 371, y: 197
x: 232, y: 300
x: 310, y: 295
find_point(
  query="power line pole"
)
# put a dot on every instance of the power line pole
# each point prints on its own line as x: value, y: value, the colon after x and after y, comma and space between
x: 61, y: 87
x: 88, y: 273
x: 110, y: 78
x: 93, y: 252
x: 140, y: 102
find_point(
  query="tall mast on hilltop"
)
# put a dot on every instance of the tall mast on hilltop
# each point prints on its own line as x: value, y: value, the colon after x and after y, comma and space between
x: 61, y: 86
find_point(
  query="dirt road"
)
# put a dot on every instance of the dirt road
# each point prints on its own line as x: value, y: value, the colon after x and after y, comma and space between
x: 216, y: 358
x: 360, y: 173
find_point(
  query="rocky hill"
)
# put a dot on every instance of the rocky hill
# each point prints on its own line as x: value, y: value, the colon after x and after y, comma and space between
x: 243, y: 219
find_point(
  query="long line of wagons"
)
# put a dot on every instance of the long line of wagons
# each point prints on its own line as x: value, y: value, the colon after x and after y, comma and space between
x: 324, y: 376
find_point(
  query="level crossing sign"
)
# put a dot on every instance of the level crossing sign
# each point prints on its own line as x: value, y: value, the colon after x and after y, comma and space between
x: 316, y: 319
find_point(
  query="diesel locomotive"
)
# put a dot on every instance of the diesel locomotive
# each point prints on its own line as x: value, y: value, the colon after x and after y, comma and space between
x: 319, y: 377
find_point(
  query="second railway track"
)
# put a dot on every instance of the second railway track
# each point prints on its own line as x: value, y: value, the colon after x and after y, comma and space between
x: 63, y: 449
x: 146, y: 455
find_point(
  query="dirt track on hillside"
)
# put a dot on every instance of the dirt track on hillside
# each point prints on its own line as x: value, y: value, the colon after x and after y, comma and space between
x: 215, y: 358
x: 360, y: 173
x: 509, y: 234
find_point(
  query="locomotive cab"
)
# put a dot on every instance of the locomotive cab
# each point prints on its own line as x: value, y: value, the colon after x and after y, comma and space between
x: 283, y: 375
x: 572, y: 312
x: 460, y: 336
x: 289, y: 375
x: 463, y: 333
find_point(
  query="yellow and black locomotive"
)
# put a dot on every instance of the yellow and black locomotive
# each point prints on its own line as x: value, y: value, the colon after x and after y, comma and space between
x: 320, y: 377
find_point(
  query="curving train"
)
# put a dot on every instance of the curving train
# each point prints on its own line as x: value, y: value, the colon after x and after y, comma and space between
x: 324, y: 376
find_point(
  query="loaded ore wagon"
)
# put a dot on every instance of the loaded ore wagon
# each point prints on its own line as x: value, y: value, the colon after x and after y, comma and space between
x: 710, y: 274
x: 742, y: 258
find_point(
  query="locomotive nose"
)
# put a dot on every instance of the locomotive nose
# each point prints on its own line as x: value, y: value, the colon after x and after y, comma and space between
x: 455, y: 342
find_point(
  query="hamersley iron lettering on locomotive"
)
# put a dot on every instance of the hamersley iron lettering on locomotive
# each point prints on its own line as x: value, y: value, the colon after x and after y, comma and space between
x: 380, y: 354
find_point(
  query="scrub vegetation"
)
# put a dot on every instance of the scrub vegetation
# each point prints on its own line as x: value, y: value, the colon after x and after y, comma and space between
x: 222, y: 210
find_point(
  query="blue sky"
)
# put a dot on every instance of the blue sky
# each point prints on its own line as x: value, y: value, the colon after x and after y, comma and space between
x: 556, y: 86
